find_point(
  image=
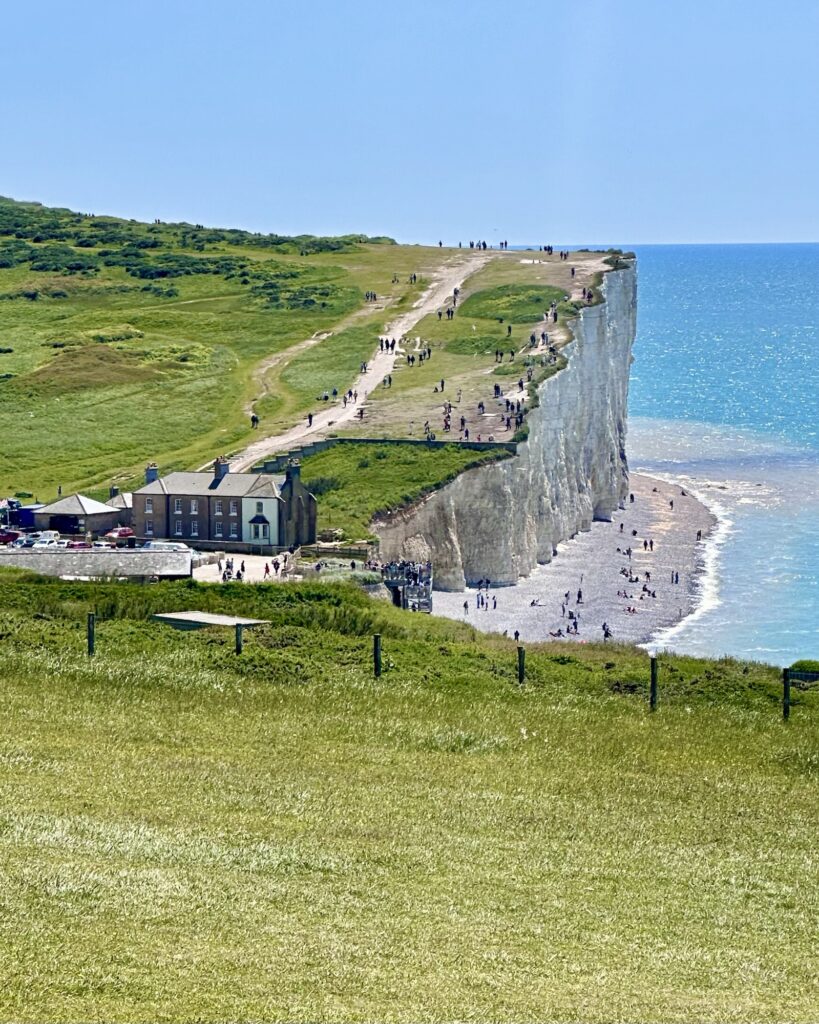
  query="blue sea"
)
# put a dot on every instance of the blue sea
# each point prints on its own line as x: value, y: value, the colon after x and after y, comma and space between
x: 724, y: 396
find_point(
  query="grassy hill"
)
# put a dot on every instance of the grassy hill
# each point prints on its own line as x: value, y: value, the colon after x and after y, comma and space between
x: 187, y: 834
x: 122, y: 341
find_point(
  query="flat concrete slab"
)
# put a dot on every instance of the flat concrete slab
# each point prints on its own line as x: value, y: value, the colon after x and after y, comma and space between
x: 198, y: 620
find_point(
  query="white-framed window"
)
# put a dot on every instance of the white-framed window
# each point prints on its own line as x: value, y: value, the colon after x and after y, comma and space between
x: 149, y: 527
x: 149, y: 506
x: 194, y: 506
x: 259, y: 508
x: 177, y: 506
x: 177, y: 527
x: 255, y: 531
x: 217, y: 511
x: 217, y: 530
x: 195, y: 528
x: 234, y: 508
x: 265, y: 530
x: 234, y: 531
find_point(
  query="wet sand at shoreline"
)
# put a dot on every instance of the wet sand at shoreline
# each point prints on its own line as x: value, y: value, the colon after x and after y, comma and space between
x: 591, y: 562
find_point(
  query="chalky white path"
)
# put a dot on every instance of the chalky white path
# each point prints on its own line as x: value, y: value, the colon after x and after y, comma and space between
x: 591, y: 562
x: 452, y: 275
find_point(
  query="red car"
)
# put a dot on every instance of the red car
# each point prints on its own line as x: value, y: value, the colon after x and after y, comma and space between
x: 120, y: 533
x: 7, y: 536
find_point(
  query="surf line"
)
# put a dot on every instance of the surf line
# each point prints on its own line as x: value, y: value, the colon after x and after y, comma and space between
x: 707, y: 578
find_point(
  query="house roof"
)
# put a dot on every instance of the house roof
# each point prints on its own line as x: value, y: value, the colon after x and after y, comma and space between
x: 122, y: 500
x: 232, y: 485
x: 76, y: 505
x: 259, y: 520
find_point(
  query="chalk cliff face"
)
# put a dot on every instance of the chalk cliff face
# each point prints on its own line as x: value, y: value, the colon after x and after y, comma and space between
x: 499, y: 521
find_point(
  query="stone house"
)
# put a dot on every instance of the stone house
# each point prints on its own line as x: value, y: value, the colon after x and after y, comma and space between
x: 223, y: 509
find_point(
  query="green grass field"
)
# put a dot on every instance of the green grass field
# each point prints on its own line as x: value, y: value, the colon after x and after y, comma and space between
x: 122, y: 342
x: 188, y: 835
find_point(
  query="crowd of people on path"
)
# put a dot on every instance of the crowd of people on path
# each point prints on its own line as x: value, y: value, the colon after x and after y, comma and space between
x: 273, y: 569
x: 416, y: 573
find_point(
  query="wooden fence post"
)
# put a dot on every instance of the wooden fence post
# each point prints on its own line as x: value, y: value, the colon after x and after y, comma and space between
x: 377, y: 654
x: 521, y: 663
x: 786, y: 694
x: 91, y: 630
x: 652, y: 694
x: 239, y: 638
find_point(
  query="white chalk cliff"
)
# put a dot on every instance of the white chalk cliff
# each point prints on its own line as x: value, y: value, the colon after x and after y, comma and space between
x: 499, y: 521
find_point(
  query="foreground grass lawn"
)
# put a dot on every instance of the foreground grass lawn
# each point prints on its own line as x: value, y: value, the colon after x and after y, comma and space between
x: 188, y: 835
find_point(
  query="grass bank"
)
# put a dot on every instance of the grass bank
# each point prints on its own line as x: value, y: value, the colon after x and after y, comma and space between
x: 356, y: 482
x: 190, y: 835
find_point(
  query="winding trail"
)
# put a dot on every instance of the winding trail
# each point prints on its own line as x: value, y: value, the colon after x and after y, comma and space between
x: 448, y: 277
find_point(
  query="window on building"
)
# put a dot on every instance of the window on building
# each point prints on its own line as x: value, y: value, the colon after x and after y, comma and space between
x: 149, y: 527
x: 218, y: 508
x: 177, y: 505
x: 149, y: 506
x: 177, y: 527
x: 195, y: 528
x: 255, y: 531
x: 217, y: 530
x: 194, y: 506
x: 259, y: 508
x: 234, y: 531
x: 265, y: 530
x: 234, y: 508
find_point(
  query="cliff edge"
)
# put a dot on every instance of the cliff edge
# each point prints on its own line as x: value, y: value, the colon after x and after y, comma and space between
x: 499, y: 521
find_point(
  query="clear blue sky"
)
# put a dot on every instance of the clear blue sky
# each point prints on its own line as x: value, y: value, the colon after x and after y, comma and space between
x: 596, y: 120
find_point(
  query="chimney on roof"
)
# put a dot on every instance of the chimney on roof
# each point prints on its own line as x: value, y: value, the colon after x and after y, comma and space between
x: 151, y: 473
x: 293, y: 470
x: 221, y: 467
x: 113, y: 491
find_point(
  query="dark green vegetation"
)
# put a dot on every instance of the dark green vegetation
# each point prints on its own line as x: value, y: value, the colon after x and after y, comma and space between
x: 190, y: 835
x: 122, y: 341
x: 356, y: 482
x: 511, y: 303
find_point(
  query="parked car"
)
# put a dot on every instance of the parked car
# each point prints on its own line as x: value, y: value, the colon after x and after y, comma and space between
x: 7, y: 536
x: 78, y: 544
x: 120, y: 533
x: 25, y: 541
x: 44, y: 542
x: 103, y: 544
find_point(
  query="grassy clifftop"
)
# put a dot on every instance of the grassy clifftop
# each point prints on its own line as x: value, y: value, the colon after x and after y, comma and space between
x: 187, y: 834
x: 122, y: 341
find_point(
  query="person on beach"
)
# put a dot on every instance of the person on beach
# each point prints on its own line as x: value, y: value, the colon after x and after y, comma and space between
x: 466, y: 607
x: 517, y: 634
x: 266, y: 570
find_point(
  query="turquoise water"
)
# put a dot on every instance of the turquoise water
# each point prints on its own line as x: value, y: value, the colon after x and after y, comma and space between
x: 724, y: 394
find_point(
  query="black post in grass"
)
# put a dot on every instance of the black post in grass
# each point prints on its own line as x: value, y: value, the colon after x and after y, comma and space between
x: 377, y: 654
x: 91, y: 631
x: 240, y: 640
x: 652, y: 693
x: 786, y: 694
x: 521, y: 663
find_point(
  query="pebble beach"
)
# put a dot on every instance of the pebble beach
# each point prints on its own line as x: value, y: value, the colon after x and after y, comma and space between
x: 610, y: 582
